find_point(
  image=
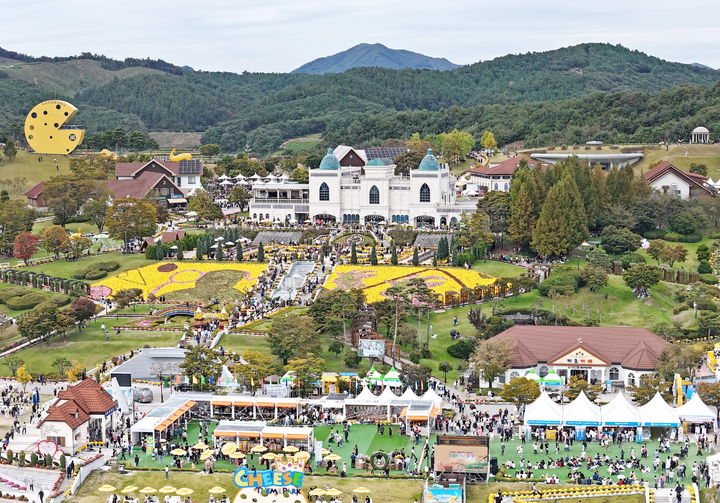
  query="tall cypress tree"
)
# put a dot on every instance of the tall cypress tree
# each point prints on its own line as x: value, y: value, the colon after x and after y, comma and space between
x: 353, y: 254
x: 238, y: 252
x: 574, y: 211
x: 550, y: 235
x: 416, y: 256
x: 219, y: 252
x: 522, y: 219
x: 393, y: 254
x: 434, y: 259
x: 179, y: 250
x: 261, y: 253
x: 373, y: 256
x: 159, y: 251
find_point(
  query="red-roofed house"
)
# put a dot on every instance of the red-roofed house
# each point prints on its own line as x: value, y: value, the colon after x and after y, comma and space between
x: 34, y: 197
x: 81, y: 414
x: 185, y: 174
x: 495, y: 176
x: 668, y: 179
x: 600, y: 354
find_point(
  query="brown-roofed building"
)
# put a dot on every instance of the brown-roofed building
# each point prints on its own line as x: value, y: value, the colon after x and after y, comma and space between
x: 166, y: 237
x: 600, y: 354
x: 496, y: 176
x: 35, y: 197
x: 156, y: 187
x: 82, y: 413
x: 184, y: 174
x: 668, y: 179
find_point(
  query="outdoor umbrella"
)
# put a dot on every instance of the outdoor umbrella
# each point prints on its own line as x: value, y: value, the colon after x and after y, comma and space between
x: 269, y: 455
x: 302, y: 455
x: 129, y: 489
x: 216, y: 490
x: 167, y: 489
x: 184, y: 491
x: 191, y: 214
x: 200, y: 446
x: 332, y: 457
x: 258, y: 448
x: 237, y: 455
x: 229, y: 448
x: 333, y: 492
x: 325, y: 452
x: 205, y: 455
x: 317, y: 492
x: 362, y: 490
x: 106, y: 488
x: 178, y: 452
x: 291, y: 448
x: 148, y: 490
x: 229, y: 243
x: 219, y: 238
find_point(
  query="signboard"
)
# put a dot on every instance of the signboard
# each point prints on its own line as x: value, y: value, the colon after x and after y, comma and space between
x: 458, y: 454
x: 371, y: 348
x: 267, y: 478
x: 443, y: 494
x: 276, y: 390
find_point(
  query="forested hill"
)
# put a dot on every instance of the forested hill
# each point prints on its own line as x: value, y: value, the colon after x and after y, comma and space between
x: 373, y: 55
x: 259, y: 111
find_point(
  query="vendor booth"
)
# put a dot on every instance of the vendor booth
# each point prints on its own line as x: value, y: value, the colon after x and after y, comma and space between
x: 163, y: 421
x: 253, y: 407
x: 582, y: 414
x: 247, y: 434
x: 696, y: 415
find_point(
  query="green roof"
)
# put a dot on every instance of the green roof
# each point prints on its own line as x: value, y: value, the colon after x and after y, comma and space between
x: 329, y: 161
x: 429, y: 162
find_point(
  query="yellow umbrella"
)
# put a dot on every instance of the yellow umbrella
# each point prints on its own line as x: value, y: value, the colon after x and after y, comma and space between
x: 229, y: 448
x: 333, y: 457
x: 205, y: 455
x: 129, y: 489
x: 291, y: 448
x: 178, y: 452
x: 106, y: 488
x: 302, y: 455
x: 361, y: 490
x: 333, y: 492
x: 317, y: 492
x: 184, y: 491
x: 167, y: 490
x: 237, y: 455
x: 148, y: 490
x: 258, y: 448
x: 269, y: 455
x: 216, y: 490
x: 200, y: 446
x: 325, y: 452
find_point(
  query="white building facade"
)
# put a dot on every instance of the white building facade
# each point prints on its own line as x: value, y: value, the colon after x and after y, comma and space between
x: 365, y: 192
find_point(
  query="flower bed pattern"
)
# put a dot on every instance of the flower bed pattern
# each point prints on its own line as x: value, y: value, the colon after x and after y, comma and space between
x: 161, y: 279
x: 374, y: 280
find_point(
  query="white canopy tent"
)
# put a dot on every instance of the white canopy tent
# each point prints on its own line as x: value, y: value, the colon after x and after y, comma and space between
x: 409, y: 394
x: 658, y: 413
x: 620, y: 412
x: 543, y: 411
x: 695, y: 411
x: 431, y: 396
x: 387, y: 396
x: 366, y: 396
x: 581, y: 412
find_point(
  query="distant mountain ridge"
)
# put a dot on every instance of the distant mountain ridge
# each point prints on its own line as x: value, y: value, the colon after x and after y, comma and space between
x: 374, y: 56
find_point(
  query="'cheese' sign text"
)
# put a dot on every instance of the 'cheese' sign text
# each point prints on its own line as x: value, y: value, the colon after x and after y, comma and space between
x: 267, y: 478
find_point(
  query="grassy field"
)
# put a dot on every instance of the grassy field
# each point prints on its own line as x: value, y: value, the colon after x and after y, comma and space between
x: 89, y: 346
x: 65, y: 269
x: 25, y: 171
x: 13, y: 312
x: 175, y: 139
x: 676, y: 155
x: 306, y: 144
x: 84, y: 227
x: 690, y: 263
x: 498, y: 269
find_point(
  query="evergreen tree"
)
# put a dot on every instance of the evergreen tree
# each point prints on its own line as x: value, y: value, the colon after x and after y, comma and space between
x: 353, y: 254
x: 393, y: 254
x: 373, y: 256
x: 522, y: 220
x: 551, y: 233
x: 261, y: 253
x: 179, y: 250
x: 574, y: 210
x: 159, y: 251
x: 199, y: 251
x: 219, y: 252
x: 434, y: 259
x: 238, y: 253
x: 416, y: 256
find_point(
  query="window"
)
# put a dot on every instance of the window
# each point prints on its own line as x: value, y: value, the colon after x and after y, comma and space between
x: 496, y: 186
x: 631, y: 379
x: 374, y: 195
x: 424, y: 193
x: 191, y: 180
x: 514, y: 374
x: 543, y: 371
x: 507, y: 186
x: 324, y: 192
x: 614, y: 373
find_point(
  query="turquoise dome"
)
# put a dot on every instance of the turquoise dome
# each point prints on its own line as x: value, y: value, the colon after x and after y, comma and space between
x: 429, y: 162
x: 329, y: 161
x: 376, y: 162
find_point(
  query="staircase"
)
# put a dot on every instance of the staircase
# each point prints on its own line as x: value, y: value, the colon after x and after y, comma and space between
x: 668, y: 495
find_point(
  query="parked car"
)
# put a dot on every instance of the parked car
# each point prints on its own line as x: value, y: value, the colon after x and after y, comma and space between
x: 142, y: 395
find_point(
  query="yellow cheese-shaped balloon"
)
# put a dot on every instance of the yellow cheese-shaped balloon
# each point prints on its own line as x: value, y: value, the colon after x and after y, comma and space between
x: 43, y: 128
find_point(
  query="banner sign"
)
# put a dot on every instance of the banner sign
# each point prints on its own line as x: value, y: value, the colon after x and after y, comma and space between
x: 267, y: 478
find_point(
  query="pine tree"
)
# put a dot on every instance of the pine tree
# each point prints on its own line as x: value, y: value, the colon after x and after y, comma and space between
x: 434, y: 259
x: 261, y: 253
x: 574, y: 211
x: 522, y: 220
x: 353, y: 254
x: 199, y: 251
x: 179, y: 250
x: 416, y: 256
x: 393, y: 255
x: 238, y: 253
x: 219, y: 252
x: 159, y: 251
x: 373, y: 256
x: 550, y: 235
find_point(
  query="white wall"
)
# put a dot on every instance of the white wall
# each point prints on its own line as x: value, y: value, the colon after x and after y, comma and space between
x: 675, y: 183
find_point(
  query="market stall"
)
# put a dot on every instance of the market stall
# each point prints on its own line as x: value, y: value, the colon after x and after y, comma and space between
x: 696, y: 415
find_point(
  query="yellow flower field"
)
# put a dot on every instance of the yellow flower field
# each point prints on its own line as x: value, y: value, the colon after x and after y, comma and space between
x: 374, y: 280
x: 165, y: 277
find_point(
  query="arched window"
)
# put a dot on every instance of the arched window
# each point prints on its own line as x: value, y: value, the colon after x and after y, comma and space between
x: 543, y: 371
x: 631, y: 379
x: 614, y: 373
x: 496, y: 186
x: 324, y: 192
x: 374, y: 195
x: 514, y: 374
x: 507, y: 186
x: 424, y: 193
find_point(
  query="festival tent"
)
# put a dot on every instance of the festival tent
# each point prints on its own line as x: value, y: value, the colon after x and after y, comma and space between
x: 543, y: 411
x: 366, y: 396
x: 695, y: 411
x: 387, y: 396
x: 392, y: 379
x: 658, y: 413
x: 409, y: 394
x: 552, y: 379
x: 581, y: 412
x: 227, y: 379
x: 373, y: 376
x: 431, y: 396
x: 620, y: 412
x: 532, y: 375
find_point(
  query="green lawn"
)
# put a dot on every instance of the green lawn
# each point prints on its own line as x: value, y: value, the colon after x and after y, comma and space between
x: 690, y: 263
x: 709, y: 155
x: 498, y: 269
x: 84, y: 227
x: 65, y: 269
x: 25, y: 171
x: 89, y: 346
x: 14, y: 312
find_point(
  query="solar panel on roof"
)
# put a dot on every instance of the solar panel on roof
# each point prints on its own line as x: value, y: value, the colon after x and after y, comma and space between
x: 190, y: 167
x: 384, y: 152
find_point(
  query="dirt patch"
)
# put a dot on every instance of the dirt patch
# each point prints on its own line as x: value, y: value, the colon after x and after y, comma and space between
x: 175, y: 139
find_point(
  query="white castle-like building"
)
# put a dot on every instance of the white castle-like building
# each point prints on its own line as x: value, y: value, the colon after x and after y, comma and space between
x: 349, y: 188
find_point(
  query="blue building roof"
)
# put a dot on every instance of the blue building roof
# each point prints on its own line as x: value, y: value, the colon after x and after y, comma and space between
x: 376, y: 162
x: 429, y: 162
x: 329, y: 161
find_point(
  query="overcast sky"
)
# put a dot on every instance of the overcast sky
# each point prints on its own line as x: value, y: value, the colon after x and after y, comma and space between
x: 280, y: 35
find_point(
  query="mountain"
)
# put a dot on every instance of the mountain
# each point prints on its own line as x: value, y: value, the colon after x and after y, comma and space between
x: 374, y: 56
x: 258, y: 111
x: 700, y: 65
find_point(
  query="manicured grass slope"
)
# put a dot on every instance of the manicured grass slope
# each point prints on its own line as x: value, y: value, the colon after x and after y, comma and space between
x: 26, y: 166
